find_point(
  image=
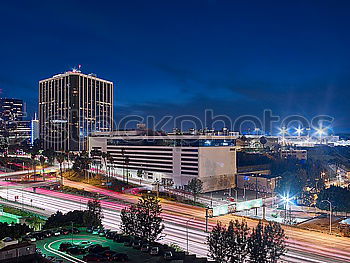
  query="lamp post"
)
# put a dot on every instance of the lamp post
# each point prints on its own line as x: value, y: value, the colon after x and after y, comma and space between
x: 187, y: 232
x: 330, y: 215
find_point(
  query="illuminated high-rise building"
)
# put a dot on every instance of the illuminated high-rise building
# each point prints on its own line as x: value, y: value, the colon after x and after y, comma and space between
x: 71, y: 106
x: 11, y: 109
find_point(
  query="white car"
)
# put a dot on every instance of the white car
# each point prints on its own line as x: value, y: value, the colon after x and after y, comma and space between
x: 84, y: 243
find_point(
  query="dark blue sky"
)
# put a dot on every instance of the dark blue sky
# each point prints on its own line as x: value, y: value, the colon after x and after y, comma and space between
x: 182, y: 57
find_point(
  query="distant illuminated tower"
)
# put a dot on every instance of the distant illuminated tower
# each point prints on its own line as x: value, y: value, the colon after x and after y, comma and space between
x: 34, y: 129
x: 71, y: 106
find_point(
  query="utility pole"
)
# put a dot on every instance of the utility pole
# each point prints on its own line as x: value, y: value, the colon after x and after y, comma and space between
x: 330, y: 215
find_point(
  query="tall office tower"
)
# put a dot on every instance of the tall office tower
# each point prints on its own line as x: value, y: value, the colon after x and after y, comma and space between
x: 11, y: 109
x: 71, y: 106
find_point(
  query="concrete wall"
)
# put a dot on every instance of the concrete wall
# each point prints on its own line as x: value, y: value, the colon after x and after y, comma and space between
x: 217, y: 167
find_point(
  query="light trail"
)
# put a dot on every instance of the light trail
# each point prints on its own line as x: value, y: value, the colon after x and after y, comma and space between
x: 310, y: 246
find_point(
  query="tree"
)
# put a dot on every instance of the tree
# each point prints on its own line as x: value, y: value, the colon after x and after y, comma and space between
x: 195, y: 186
x: 238, y: 233
x: 139, y: 174
x: 257, y: 245
x: 93, y: 215
x: 82, y: 163
x: 50, y: 155
x: 130, y: 225
x: 266, y: 243
x: 219, y: 247
x: 60, y: 159
x: 275, y: 241
x: 42, y: 163
x: 143, y: 219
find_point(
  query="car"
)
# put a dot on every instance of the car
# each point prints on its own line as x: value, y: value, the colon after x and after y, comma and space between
x: 137, y: 244
x: 94, y: 258
x: 38, y: 251
x: 84, y: 244
x: 95, y: 232
x: 89, y: 229
x: 29, y: 238
x: 75, y: 230
x: 38, y: 235
x: 107, y: 253
x: 101, y: 233
x: 51, y: 258
x: 47, y: 233
x: 145, y: 248
x: 111, y: 234
x: 64, y: 231
x: 75, y: 250
x: 56, y: 232
x: 120, y: 257
x: 168, y: 255
x: 120, y: 238
x: 154, y: 251
x: 95, y: 249
x: 64, y: 246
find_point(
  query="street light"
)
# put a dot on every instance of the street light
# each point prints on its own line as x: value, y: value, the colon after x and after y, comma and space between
x: 330, y: 215
x: 192, y: 218
x: 299, y: 131
x: 287, y: 200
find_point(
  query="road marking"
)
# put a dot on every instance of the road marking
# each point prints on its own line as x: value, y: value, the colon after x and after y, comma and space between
x: 57, y: 254
x: 61, y: 254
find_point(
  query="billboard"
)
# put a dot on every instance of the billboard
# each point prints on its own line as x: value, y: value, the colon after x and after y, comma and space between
x: 236, y: 207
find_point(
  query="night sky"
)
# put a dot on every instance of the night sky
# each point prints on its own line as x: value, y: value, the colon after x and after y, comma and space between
x: 182, y: 57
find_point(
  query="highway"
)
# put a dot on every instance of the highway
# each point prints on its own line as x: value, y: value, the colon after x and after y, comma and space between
x: 304, y: 246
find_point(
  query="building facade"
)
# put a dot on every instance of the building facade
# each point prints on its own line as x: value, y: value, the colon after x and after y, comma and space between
x: 71, y: 106
x: 171, y: 159
x: 11, y: 109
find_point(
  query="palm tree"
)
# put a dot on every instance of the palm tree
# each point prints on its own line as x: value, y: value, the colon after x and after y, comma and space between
x: 32, y: 157
x: 42, y: 163
x: 60, y: 159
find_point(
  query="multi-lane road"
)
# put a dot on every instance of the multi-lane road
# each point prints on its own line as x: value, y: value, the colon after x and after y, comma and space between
x: 303, y: 246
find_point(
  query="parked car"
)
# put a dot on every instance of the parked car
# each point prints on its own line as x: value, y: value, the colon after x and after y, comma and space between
x: 64, y: 246
x: 94, y: 258
x: 75, y: 230
x: 48, y: 233
x: 137, y: 244
x: 75, y: 250
x: 95, y: 249
x: 128, y: 241
x: 154, y: 251
x: 145, y: 247
x: 38, y: 235
x: 120, y: 257
x: 168, y: 255
x: 29, y: 238
x: 111, y: 234
x: 56, y: 232
x: 84, y: 244
x: 89, y: 229
x: 64, y: 231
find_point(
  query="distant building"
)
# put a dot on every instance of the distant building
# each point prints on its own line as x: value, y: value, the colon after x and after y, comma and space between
x: 72, y: 105
x: 297, y: 154
x: 21, y: 252
x: 11, y: 109
x: 13, y: 128
x: 261, y: 183
x: 171, y: 159
x: 34, y: 129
